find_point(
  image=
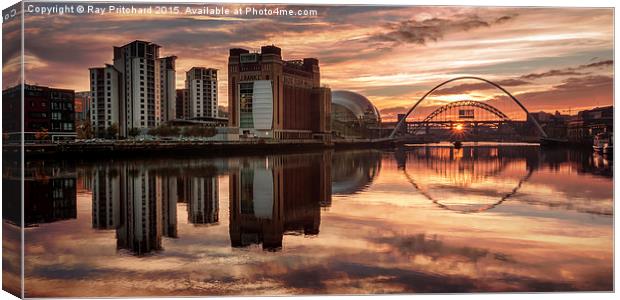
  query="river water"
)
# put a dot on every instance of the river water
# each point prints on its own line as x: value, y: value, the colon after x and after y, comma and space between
x: 419, y: 219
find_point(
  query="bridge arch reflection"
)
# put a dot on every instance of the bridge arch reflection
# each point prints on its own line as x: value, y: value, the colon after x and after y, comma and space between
x: 462, y: 171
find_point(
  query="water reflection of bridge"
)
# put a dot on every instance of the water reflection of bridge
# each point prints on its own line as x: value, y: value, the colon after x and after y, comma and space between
x: 467, y: 168
x: 138, y: 200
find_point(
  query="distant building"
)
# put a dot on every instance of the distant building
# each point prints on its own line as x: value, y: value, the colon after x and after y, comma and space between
x: 82, y: 106
x: 167, y: 92
x: 201, y: 86
x: 136, y: 92
x: 555, y: 125
x: 45, y: 109
x: 182, y: 104
x: 271, y: 97
x: 589, y: 123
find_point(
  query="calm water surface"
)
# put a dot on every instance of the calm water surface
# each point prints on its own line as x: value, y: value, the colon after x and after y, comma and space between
x: 419, y: 219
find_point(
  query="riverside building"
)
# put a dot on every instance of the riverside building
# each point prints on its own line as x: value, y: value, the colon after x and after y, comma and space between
x: 167, y: 92
x: 182, y: 110
x: 201, y: 86
x: 137, y: 91
x: 275, y: 98
x: 48, y: 113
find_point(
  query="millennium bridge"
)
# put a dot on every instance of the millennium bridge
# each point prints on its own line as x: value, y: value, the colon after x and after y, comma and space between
x: 467, y: 120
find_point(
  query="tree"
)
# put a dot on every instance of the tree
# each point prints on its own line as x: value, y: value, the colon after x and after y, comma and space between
x: 84, y: 130
x: 133, y: 132
x: 199, y: 131
x: 42, y: 134
x: 112, y: 131
x: 164, y: 130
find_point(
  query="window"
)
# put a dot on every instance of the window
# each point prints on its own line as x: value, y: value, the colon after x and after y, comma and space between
x: 245, y: 105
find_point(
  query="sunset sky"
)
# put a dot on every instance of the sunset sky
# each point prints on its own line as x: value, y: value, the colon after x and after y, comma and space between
x: 550, y: 58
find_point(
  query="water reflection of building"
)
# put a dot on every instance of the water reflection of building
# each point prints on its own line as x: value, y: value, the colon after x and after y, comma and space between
x: 201, y: 195
x: 138, y: 203
x: 278, y: 195
x: 167, y: 192
x: 49, y: 192
x: 139, y: 230
x: 106, y: 198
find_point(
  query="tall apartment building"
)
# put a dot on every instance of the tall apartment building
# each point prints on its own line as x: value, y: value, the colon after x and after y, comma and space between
x: 201, y: 86
x: 167, y: 92
x: 105, y: 87
x: 272, y: 97
x: 182, y: 104
x: 136, y: 91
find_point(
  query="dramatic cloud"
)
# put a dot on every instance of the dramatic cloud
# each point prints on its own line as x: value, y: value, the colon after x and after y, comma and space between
x: 421, y: 32
x: 392, y: 55
x: 573, y: 93
x: 468, y: 87
x: 552, y: 73
x: 569, y: 71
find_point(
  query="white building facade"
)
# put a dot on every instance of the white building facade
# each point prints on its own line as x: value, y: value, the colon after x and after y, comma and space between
x: 201, y: 85
x: 105, y: 98
x: 167, y: 89
x: 145, y: 88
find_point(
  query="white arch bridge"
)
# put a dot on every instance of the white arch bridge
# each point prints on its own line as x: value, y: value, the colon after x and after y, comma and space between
x: 455, y: 113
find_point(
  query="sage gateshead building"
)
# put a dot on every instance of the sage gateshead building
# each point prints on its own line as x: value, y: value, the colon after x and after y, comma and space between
x: 354, y: 116
x: 270, y: 97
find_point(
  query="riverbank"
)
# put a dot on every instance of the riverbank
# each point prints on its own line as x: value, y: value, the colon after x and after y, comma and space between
x: 126, y: 148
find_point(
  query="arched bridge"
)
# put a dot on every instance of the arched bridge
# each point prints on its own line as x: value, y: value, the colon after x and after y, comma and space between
x: 463, y: 113
x: 466, y: 103
x: 432, y: 118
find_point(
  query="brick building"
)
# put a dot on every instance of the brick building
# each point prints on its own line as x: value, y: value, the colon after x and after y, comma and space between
x: 276, y: 98
x: 45, y: 109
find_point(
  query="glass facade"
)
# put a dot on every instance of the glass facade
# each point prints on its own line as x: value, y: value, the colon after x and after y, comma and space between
x: 246, y: 90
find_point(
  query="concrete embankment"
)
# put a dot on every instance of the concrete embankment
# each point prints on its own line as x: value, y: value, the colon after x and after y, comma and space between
x: 83, y: 150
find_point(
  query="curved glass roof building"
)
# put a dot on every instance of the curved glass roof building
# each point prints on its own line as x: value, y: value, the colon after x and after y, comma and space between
x: 353, y: 115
